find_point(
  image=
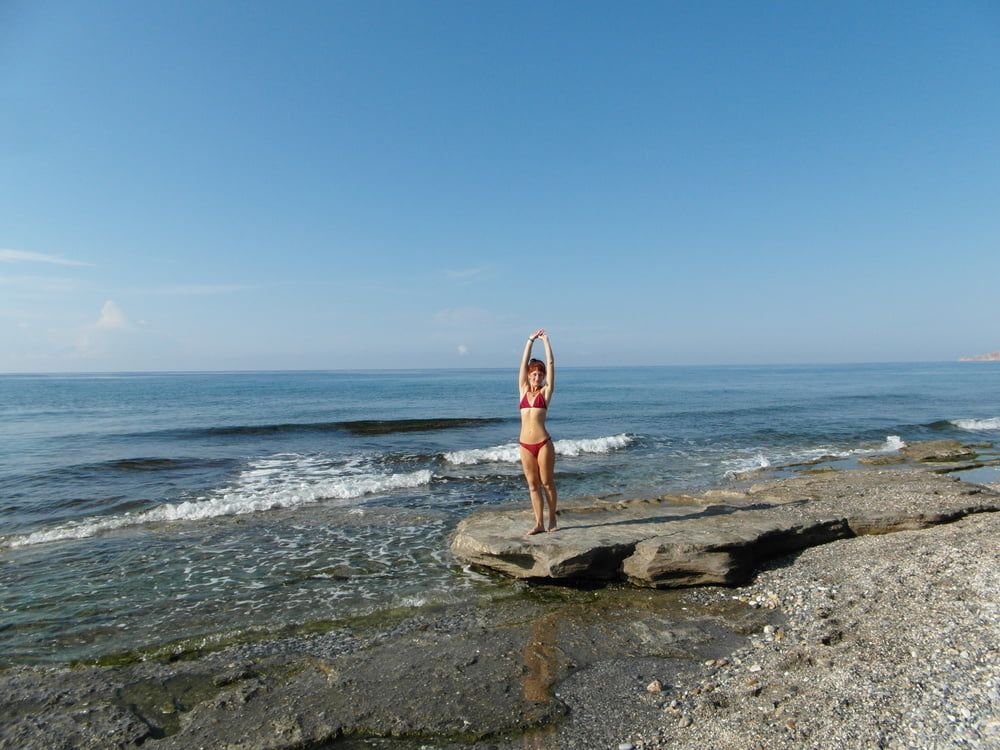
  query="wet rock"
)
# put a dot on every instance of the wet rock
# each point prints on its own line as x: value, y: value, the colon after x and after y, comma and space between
x: 233, y: 674
x: 45, y: 708
x: 885, y: 459
x: 938, y: 451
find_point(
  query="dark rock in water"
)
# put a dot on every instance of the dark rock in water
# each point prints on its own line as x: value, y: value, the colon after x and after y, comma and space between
x: 664, y: 544
x: 938, y: 450
x: 388, y: 426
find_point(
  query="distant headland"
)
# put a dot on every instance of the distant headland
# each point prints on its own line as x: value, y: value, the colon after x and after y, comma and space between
x: 991, y: 357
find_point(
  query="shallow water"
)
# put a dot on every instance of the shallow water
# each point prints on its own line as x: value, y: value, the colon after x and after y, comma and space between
x: 141, y: 509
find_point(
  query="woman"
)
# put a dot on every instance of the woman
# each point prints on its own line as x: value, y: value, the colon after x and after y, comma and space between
x: 538, y: 456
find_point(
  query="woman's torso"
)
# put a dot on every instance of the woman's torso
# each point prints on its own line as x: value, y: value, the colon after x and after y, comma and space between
x: 534, y: 410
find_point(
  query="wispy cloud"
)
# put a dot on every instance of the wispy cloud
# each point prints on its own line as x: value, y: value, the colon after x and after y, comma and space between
x: 40, y: 283
x: 202, y: 289
x: 25, y: 256
x: 464, y: 316
x: 462, y: 350
x: 465, y: 274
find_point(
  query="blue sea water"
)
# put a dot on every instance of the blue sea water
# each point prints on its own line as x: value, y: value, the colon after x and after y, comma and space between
x: 141, y: 509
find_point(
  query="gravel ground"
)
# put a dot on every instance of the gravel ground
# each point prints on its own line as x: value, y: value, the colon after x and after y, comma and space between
x: 876, y: 642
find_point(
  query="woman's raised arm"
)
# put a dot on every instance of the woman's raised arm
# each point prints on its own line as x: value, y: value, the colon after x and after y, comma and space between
x: 550, y: 365
x: 522, y: 373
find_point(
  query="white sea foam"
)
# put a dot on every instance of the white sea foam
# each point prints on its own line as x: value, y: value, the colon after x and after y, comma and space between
x: 743, y: 465
x: 282, y: 481
x: 510, y: 452
x: 413, y: 601
x: 977, y: 425
x: 892, y: 444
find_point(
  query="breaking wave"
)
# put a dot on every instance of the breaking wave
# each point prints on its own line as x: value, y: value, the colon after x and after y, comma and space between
x: 510, y: 452
x: 977, y: 425
x: 282, y: 481
x: 893, y: 443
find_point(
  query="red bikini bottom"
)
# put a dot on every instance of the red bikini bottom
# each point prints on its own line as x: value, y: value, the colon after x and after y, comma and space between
x: 534, y: 448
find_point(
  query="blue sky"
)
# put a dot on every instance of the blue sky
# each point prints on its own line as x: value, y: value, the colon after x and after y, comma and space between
x: 320, y: 185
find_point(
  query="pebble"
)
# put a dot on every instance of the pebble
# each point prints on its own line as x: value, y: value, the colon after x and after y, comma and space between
x: 655, y: 686
x: 626, y: 746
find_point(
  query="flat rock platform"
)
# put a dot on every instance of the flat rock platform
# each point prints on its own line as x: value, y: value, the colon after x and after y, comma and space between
x: 718, y: 537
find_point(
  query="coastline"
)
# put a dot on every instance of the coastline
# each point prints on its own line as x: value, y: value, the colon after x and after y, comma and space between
x: 882, y: 640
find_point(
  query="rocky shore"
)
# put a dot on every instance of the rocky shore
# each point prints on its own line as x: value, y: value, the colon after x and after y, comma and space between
x: 722, y: 536
x: 882, y: 642
x: 871, y: 639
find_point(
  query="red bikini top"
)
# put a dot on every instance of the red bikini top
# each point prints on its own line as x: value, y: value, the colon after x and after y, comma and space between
x: 539, y: 401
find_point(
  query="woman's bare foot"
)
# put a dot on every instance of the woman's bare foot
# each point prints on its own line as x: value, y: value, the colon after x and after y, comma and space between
x: 553, y: 527
x: 536, y: 530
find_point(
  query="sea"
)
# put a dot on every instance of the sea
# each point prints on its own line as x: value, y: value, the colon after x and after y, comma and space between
x: 143, y: 510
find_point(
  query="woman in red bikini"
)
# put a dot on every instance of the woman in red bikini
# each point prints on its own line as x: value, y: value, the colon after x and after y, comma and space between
x: 538, y: 456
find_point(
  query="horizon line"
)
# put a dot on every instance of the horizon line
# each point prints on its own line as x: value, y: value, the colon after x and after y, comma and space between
x: 7, y: 373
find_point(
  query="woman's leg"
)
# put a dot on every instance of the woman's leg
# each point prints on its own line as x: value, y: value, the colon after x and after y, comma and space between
x: 530, y: 465
x: 546, y: 472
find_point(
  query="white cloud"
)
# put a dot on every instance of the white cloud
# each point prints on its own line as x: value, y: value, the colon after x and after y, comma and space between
x: 99, y: 338
x: 24, y: 256
x: 112, y: 317
x: 462, y: 350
